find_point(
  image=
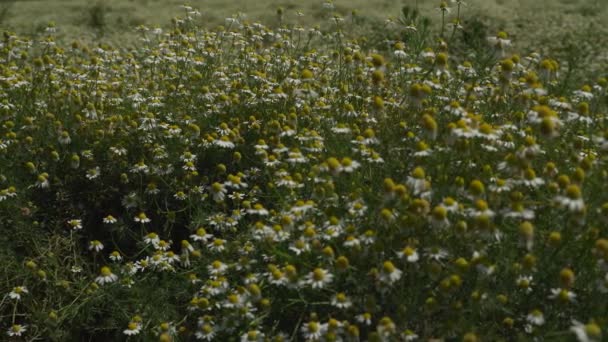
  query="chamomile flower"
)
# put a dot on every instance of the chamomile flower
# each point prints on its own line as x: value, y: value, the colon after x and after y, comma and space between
x: 142, y: 218
x: 500, y: 41
x: 386, y: 327
x: 17, y: 292
x: 436, y: 253
x: 106, y: 276
x: 95, y: 246
x: 368, y: 237
x: 299, y: 246
x: 257, y: 209
x: 217, y: 268
x: 586, y: 332
x: 409, y: 254
x: 364, y: 318
x: 276, y: 276
x: 162, y: 245
x: 563, y: 295
x: 218, y: 191
x: 140, y: 167
x: 64, y: 138
x: 572, y: 200
x: 536, y: 317
x: 439, y: 217
x: 341, y: 301
x: 349, y: 165
x: 217, y: 245
x: 133, y: 328
x: 75, y: 224
x: 351, y: 242
x: 16, y: 330
x: 319, y: 278
x: 417, y: 181
x: 109, y: 219
x: 312, y: 331
x: 180, y: 195
x: 93, y: 173
x: 201, y: 235
x: 115, y: 256
x: 252, y: 336
x: 389, y: 273
x: 206, y: 332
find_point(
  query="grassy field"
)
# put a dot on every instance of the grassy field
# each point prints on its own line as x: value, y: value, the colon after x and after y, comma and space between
x: 385, y: 177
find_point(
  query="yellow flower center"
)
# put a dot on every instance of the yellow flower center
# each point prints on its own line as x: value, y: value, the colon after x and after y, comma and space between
x: 388, y: 267
x: 418, y: 173
x: 106, y: 271
x: 573, y: 192
x: 318, y: 274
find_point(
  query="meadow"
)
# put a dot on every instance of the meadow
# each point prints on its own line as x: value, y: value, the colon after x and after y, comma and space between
x: 359, y: 171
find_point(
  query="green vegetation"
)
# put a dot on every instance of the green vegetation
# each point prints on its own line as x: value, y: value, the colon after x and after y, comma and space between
x: 362, y: 180
x: 573, y: 31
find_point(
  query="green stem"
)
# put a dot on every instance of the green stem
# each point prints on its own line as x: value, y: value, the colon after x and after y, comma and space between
x: 442, y: 22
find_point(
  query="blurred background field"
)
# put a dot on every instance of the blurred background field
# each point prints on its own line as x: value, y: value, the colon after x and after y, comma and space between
x: 525, y: 18
x: 573, y: 31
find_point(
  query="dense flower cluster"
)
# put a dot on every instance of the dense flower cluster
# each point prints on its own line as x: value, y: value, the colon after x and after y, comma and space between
x: 286, y: 184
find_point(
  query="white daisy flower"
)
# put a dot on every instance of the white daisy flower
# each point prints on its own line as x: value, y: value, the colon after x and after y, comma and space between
x: 109, y: 219
x: 106, y: 276
x: 75, y: 224
x: 142, y: 218
x: 218, y: 192
x: 201, y: 235
x: 341, y: 301
x: 152, y: 239
x: 536, y: 317
x: 217, y: 268
x: 586, y: 332
x: 206, y: 332
x: 133, y: 328
x: 96, y: 246
x: 409, y: 254
x: 252, y: 336
x: 319, y: 278
x: 389, y: 273
x: 17, y: 292
x: 115, y: 256
x: 312, y: 331
x: 16, y: 330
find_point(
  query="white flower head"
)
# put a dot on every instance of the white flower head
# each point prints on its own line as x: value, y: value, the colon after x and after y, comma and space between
x: 133, y: 328
x: 16, y: 330
x: 75, y: 224
x: 319, y: 278
x: 96, y: 246
x: 106, y: 276
x: 141, y: 218
x: 17, y: 292
x: 389, y: 273
x: 590, y: 332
